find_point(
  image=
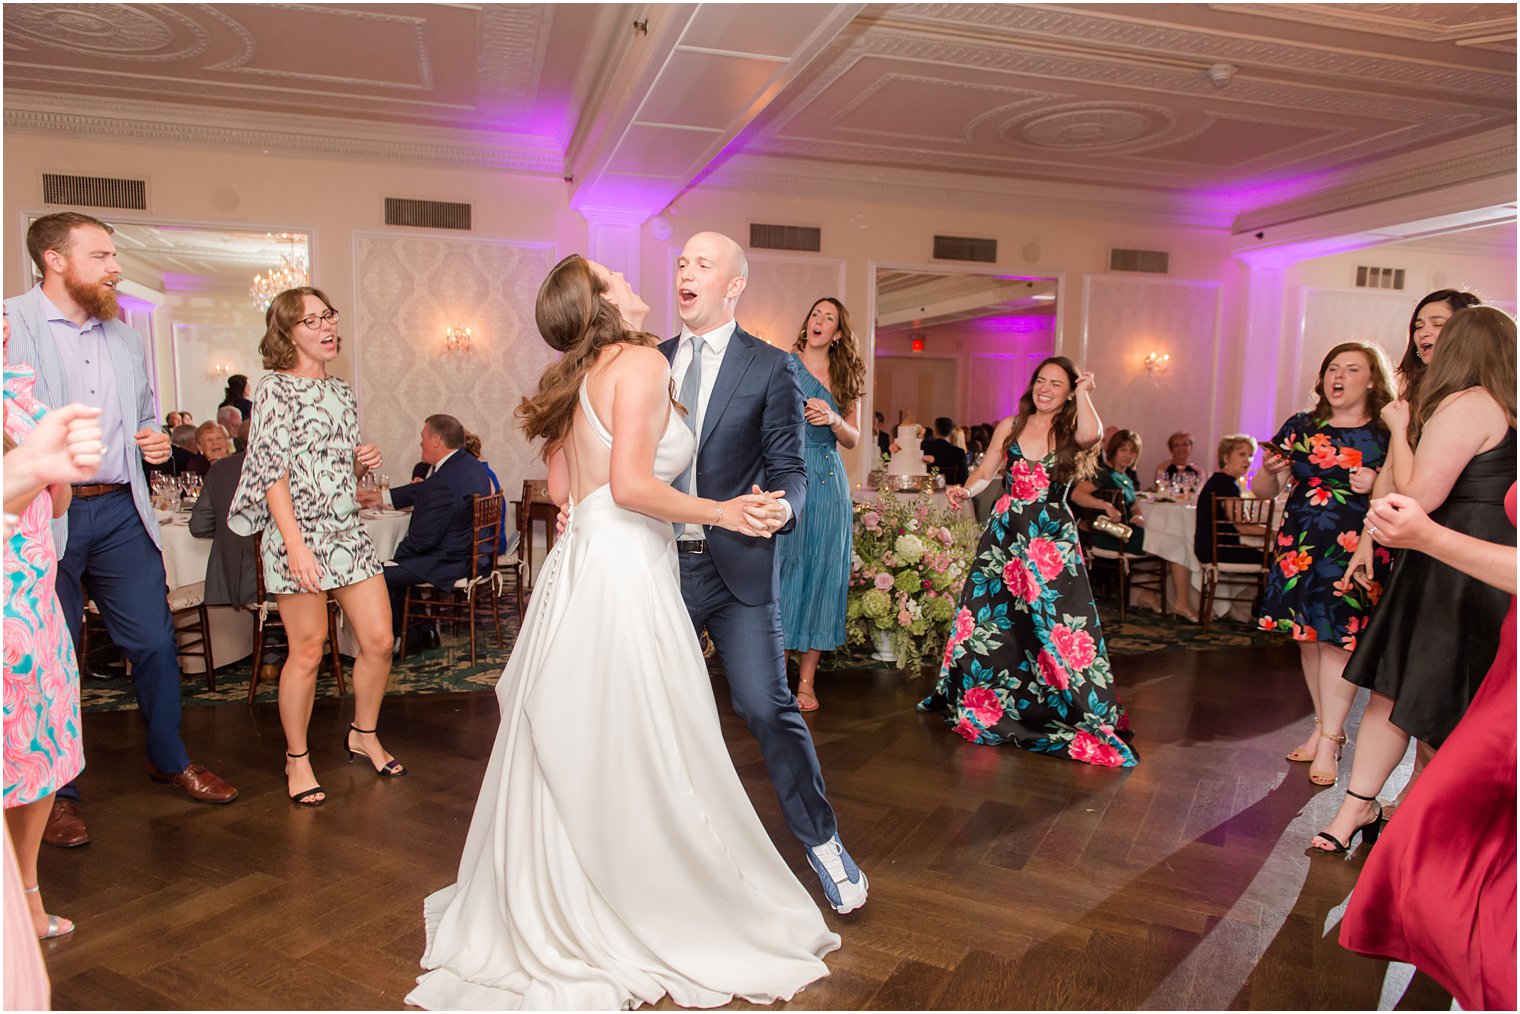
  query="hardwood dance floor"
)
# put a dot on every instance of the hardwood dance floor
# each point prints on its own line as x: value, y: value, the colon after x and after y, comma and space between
x: 999, y: 879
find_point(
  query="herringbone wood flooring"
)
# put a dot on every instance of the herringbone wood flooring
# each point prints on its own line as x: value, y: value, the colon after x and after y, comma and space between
x: 999, y: 879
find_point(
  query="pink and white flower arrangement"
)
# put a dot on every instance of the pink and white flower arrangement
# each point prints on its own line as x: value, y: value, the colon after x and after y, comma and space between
x: 911, y: 556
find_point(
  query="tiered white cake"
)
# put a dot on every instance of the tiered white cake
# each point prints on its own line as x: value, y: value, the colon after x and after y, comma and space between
x: 909, y: 457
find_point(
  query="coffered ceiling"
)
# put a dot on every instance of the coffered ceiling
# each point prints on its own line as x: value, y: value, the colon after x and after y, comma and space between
x: 1221, y: 115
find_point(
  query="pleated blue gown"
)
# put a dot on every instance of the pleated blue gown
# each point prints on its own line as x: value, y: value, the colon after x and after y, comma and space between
x: 815, y: 556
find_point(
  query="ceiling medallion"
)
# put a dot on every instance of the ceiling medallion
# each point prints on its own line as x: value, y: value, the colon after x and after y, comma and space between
x: 1090, y: 125
x: 122, y: 31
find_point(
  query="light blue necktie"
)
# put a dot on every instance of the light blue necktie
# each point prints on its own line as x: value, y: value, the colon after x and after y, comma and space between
x: 689, y: 396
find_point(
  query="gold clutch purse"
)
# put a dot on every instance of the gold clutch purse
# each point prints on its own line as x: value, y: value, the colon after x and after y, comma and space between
x: 1116, y: 529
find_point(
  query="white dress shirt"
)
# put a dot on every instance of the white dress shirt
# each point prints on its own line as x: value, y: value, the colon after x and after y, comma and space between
x: 714, y: 346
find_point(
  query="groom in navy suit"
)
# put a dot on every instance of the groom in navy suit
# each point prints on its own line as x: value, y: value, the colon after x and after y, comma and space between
x: 744, y: 404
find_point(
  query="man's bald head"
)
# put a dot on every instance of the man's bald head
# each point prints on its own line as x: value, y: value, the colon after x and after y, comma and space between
x: 710, y: 276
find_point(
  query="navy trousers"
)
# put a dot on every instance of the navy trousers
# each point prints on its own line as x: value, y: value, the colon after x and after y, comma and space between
x: 748, y: 639
x: 109, y: 547
x: 398, y: 578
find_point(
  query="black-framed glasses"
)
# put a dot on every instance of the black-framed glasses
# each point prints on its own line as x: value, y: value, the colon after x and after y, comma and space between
x: 315, y: 320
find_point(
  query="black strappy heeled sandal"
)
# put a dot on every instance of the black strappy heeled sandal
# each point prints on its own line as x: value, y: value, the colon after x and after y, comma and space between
x: 1369, y: 831
x: 309, y: 797
x: 392, y: 768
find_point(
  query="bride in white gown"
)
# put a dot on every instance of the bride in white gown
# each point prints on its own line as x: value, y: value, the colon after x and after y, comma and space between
x: 613, y: 856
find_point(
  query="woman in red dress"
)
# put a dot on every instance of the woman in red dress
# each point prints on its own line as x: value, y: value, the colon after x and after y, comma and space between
x: 1440, y: 892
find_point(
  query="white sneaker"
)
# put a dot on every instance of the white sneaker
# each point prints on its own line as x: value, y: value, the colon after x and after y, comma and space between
x: 844, y: 883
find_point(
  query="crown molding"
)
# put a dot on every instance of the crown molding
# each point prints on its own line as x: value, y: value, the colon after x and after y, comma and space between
x: 1476, y: 157
x: 924, y: 188
x: 155, y: 123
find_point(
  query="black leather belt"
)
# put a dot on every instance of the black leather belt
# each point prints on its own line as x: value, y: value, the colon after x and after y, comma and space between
x: 691, y: 546
x: 99, y: 489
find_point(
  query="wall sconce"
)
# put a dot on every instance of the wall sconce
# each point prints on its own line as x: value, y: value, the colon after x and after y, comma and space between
x: 457, y: 339
x: 1157, y: 363
x: 218, y: 371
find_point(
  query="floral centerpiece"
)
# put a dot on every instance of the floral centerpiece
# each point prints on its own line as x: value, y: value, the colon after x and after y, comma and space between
x: 911, y: 558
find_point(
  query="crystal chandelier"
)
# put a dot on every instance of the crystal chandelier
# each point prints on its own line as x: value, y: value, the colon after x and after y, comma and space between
x: 291, y: 273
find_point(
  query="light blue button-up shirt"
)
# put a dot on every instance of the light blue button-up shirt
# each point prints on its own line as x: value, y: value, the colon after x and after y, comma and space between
x: 92, y: 381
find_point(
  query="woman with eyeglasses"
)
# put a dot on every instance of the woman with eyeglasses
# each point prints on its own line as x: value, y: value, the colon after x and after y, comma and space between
x: 298, y: 487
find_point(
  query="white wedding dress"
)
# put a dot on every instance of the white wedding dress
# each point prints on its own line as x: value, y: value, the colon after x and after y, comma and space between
x: 614, y: 856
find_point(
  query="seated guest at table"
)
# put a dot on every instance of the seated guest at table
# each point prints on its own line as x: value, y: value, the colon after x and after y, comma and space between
x: 230, y: 577
x: 210, y: 446
x: 437, y: 546
x: 182, y: 449
x: 942, y: 453
x: 1235, y: 453
x: 1180, y: 466
x: 170, y: 421
x: 230, y: 419
x: 472, y: 445
x: 1116, y: 471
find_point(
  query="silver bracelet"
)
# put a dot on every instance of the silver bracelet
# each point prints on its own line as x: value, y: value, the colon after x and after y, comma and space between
x: 718, y: 517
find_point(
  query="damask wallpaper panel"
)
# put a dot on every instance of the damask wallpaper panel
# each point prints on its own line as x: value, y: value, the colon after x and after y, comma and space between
x: 409, y: 289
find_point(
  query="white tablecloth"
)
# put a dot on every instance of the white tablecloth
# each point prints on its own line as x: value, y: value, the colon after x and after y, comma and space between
x: 1169, y: 529
x: 185, y: 559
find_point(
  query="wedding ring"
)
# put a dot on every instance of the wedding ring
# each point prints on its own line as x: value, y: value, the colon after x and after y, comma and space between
x: 1372, y: 530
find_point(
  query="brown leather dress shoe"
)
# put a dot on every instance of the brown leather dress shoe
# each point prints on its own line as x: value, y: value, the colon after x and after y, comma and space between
x: 64, y: 828
x: 199, y: 784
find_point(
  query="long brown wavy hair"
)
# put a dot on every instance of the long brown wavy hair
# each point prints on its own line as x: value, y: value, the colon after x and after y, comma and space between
x: 1477, y: 350
x: 1072, y: 462
x: 574, y: 318
x: 1411, y: 367
x: 1382, y: 382
x: 847, y: 371
x: 285, y: 311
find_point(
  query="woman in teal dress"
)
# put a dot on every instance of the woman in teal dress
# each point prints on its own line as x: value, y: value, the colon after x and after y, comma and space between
x: 815, y: 556
x: 298, y: 487
x: 1025, y: 662
x: 1116, y: 471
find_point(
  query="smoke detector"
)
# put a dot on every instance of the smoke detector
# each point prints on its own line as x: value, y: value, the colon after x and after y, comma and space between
x: 1221, y: 74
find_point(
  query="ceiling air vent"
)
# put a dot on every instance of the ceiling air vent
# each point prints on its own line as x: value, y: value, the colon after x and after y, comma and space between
x: 426, y: 214
x: 1379, y: 278
x: 94, y: 191
x: 965, y: 248
x: 1155, y: 262
x: 785, y: 237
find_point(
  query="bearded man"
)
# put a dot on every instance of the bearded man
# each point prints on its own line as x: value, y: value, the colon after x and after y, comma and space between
x: 66, y: 328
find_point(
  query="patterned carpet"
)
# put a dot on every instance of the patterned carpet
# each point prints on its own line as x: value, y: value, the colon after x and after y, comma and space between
x: 447, y: 669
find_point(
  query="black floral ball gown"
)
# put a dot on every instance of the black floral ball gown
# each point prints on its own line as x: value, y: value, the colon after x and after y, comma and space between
x: 1025, y: 663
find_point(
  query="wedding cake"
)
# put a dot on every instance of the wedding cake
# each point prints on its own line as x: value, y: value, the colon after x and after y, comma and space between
x: 908, y: 459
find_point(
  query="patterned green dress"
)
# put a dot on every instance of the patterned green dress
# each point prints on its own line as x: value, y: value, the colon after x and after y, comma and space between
x: 1025, y: 663
x: 308, y: 429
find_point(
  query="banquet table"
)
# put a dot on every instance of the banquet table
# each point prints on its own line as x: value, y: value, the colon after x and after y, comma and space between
x: 1169, y: 529
x: 185, y: 559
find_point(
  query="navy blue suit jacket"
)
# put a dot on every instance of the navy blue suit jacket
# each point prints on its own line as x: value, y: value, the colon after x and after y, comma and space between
x: 751, y: 436
x: 438, y: 541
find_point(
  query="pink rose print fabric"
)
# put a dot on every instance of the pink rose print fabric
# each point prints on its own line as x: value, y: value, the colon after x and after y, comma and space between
x: 1025, y: 662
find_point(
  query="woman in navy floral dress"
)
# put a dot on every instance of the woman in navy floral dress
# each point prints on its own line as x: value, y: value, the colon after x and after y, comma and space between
x: 1334, y: 454
x: 1025, y: 663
